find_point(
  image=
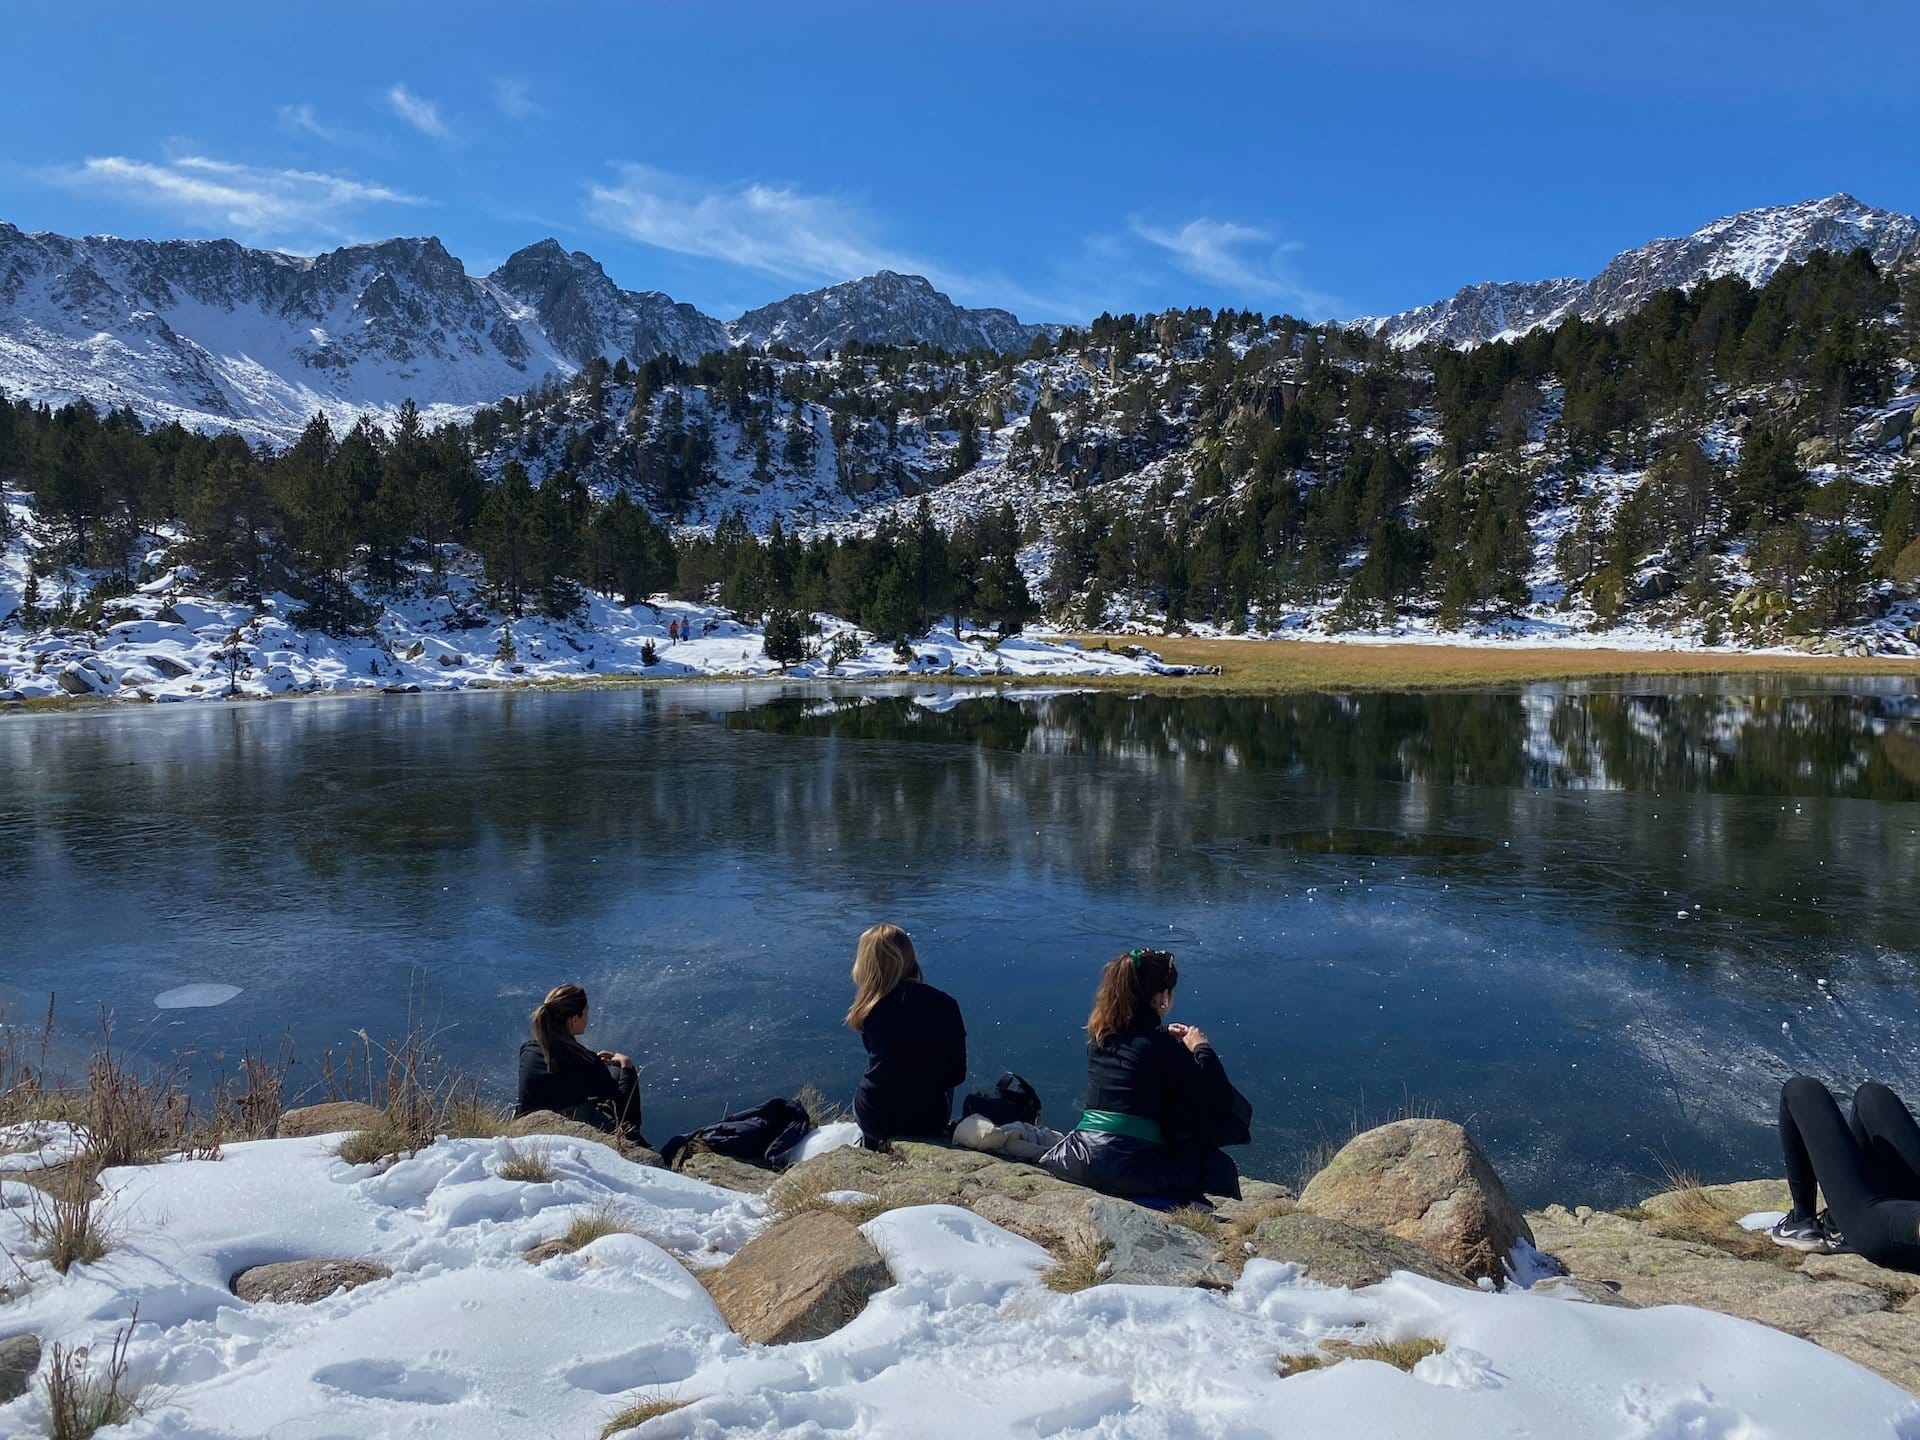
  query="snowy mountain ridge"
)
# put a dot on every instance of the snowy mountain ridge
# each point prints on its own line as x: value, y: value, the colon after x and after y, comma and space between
x: 217, y: 336
x: 1752, y: 244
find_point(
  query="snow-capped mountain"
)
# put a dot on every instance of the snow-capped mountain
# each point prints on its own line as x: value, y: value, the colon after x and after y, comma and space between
x: 1752, y: 245
x: 219, y: 336
x: 882, y: 309
x: 582, y: 314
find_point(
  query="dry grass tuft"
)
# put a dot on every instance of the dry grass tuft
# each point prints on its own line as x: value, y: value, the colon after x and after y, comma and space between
x: 1197, y: 1218
x: 533, y: 1165
x: 1401, y: 1354
x: 81, y: 1400
x: 797, y: 1193
x: 1077, y: 1270
x: 588, y: 1226
x: 465, y: 1116
x: 1689, y: 1213
x: 820, y: 1110
x: 641, y: 1411
x: 67, y: 1229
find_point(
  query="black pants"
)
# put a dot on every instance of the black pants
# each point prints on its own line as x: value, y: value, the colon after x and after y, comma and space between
x: 619, y: 1116
x: 1868, y: 1168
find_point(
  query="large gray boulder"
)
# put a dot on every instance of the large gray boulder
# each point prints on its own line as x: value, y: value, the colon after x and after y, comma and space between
x: 798, y: 1280
x: 1336, y: 1253
x: 19, y: 1358
x: 1424, y: 1181
x: 304, y: 1282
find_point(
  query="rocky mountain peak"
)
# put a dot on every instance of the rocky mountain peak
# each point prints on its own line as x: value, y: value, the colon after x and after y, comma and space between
x: 1751, y: 244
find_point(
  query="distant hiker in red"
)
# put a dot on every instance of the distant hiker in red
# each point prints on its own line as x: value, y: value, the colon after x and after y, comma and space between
x: 673, y: 631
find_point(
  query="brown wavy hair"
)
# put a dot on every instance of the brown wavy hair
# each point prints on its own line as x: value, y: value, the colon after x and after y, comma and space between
x: 882, y: 961
x: 1127, y: 987
x: 549, y: 1022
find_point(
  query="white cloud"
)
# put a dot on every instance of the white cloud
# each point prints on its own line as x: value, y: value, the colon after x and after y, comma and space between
x: 297, y: 207
x: 304, y: 119
x: 1245, y: 262
x: 420, y: 113
x: 513, y: 98
x: 776, y: 229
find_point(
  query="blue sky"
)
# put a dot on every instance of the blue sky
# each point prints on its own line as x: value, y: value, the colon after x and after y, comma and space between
x: 1058, y: 159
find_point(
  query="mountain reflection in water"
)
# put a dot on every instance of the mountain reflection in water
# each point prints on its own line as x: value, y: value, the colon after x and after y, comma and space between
x: 1589, y: 921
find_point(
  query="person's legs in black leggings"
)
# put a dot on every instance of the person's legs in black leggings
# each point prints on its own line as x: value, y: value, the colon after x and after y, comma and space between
x: 1887, y: 1133
x: 1818, y: 1146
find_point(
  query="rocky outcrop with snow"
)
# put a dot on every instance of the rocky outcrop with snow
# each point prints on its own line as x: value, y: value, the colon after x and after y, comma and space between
x: 1752, y: 245
x: 882, y: 309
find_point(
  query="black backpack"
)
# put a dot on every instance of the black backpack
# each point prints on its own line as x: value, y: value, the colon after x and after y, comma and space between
x: 1011, y: 1100
x: 766, y: 1135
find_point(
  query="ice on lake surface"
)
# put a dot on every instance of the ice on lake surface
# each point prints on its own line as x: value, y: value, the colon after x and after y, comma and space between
x: 1598, y: 924
x: 195, y: 997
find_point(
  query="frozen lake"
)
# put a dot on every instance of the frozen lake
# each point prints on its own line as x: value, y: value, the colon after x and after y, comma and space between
x: 1598, y: 925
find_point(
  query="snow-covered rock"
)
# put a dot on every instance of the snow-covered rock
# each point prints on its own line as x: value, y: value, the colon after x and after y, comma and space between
x: 466, y: 1338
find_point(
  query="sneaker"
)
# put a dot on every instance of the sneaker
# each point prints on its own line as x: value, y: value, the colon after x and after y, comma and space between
x: 1809, y: 1236
x: 1836, y: 1242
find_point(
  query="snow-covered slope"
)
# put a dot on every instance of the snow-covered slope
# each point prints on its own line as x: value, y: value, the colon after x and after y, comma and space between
x: 883, y: 309
x: 465, y: 1338
x: 219, y: 336
x: 1752, y: 245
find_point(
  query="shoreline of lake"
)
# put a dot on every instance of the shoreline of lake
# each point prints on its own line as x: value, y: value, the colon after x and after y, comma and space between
x: 1246, y: 666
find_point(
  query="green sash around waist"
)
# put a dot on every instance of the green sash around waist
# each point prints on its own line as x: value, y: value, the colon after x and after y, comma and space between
x: 1113, y: 1122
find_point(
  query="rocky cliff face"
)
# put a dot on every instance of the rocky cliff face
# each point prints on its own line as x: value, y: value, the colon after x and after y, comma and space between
x: 1752, y: 245
x: 882, y: 309
x: 582, y: 314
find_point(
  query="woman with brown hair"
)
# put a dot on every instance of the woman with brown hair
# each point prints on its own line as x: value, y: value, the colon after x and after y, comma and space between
x: 916, y: 1044
x: 558, y: 1073
x: 1159, y: 1104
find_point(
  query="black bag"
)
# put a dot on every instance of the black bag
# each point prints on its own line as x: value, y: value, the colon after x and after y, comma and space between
x: 1011, y: 1101
x: 761, y: 1136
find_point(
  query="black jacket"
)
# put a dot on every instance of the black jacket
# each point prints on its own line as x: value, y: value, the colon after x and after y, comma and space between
x: 917, y: 1056
x: 578, y: 1077
x: 1146, y: 1072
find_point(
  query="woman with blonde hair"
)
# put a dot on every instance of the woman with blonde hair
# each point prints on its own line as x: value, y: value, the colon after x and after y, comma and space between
x: 558, y: 1073
x: 916, y: 1044
x: 1159, y: 1104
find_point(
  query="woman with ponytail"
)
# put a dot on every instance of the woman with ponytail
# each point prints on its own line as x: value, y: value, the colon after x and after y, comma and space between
x: 558, y: 1073
x: 1159, y: 1104
x: 916, y: 1043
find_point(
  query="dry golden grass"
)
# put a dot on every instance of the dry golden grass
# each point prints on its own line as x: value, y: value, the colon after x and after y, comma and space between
x: 1282, y: 665
x: 1077, y: 1270
x: 639, y: 1413
x: 1689, y: 1212
x: 820, y: 1110
x: 1197, y: 1218
x: 532, y: 1165
x: 82, y: 1400
x: 798, y: 1192
x: 465, y: 1116
x: 1401, y: 1354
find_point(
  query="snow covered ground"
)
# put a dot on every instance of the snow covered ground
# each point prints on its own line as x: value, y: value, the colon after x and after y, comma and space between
x: 467, y: 1339
x: 169, y: 642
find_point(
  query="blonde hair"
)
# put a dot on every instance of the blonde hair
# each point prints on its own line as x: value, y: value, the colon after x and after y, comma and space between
x: 1127, y: 987
x: 882, y: 961
x: 550, y: 1017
